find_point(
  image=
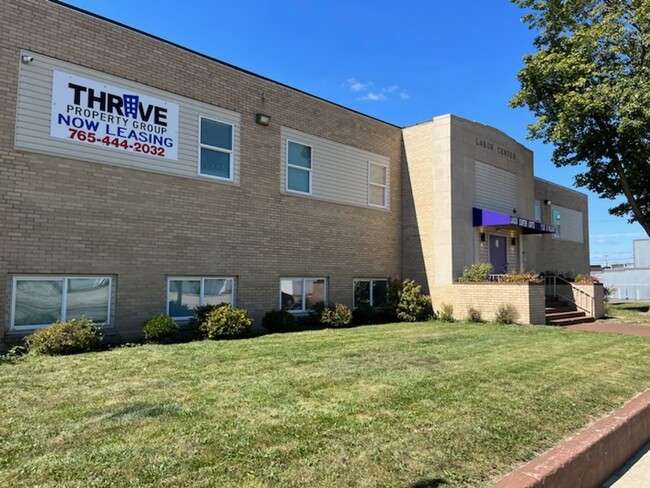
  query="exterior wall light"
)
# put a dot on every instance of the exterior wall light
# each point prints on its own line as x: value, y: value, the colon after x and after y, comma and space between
x: 547, y: 202
x: 262, y: 119
x: 26, y: 59
x: 513, y: 241
x: 482, y: 236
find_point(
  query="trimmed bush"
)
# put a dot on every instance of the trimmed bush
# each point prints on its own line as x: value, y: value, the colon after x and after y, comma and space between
x: 224, y: 322
x: 506, y: 314
x: 364, y: 314
x: 528, y: 277
x: 446, y: 312
x: 160, y: 328
x: 586, y: 280
x: 413, y: 306
x: 278, y: 320
x: 338, y: 315
x: 70, y: 337
x: 474, y: 315
x: 477, y: 273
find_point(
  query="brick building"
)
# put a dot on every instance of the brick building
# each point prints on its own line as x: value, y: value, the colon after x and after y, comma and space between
x: 125, y: 193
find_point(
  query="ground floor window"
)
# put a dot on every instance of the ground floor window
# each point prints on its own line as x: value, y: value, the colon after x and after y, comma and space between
x: 38, y: 301
x: 301, y: 294
x: 185, y: 294
x: 371, y: 291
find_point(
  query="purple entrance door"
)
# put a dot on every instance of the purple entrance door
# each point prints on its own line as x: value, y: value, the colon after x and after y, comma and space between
x: 498, y: 254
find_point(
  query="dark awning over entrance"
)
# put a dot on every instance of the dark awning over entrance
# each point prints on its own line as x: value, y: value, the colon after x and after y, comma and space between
x: 488, y: 218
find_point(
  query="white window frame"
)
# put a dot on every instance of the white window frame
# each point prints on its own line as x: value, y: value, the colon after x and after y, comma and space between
x: 230, y: 152
x: 371, y: 281
x: 201, y: 290
x: 303, y: 308
x: 301, y: 168
x: 378, y: 185
x: 64, y: 297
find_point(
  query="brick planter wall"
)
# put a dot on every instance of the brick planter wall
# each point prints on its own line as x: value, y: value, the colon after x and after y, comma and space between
x: 593, y: 290
x: 529, y: 300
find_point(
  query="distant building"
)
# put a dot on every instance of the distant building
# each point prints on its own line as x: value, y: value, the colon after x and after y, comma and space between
x: 630, y: 283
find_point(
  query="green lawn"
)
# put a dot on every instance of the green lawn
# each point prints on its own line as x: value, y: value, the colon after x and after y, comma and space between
x: 393, y: 405
x: 628, y: 312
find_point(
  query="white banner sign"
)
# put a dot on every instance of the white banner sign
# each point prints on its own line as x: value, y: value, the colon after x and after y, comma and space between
x: 93, y: 113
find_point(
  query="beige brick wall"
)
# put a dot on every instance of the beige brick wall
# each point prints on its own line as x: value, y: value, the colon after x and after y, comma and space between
x: 547, y: 253
x: 64, y: 216
x: 529, y: 300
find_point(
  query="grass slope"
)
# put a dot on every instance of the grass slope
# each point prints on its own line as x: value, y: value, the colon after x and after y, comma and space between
x: 394, y: 405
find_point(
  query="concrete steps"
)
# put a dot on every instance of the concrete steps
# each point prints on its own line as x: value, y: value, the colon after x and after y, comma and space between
x: 561, y: 314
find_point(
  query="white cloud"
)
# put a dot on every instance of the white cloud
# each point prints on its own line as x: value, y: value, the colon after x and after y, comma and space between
x: 357, y: 86
x: 369, y: 92
x: 374, y: 97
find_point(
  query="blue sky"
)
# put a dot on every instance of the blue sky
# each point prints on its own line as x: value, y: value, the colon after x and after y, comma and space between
x: 402, y: 62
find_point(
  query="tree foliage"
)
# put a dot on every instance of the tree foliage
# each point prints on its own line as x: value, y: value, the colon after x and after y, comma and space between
x: 588, y: 85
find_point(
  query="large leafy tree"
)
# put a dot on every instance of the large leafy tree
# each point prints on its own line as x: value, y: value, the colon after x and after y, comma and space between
x: 588, y: 85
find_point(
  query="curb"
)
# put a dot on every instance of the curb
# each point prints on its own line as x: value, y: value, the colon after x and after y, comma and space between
x: 590, y: 458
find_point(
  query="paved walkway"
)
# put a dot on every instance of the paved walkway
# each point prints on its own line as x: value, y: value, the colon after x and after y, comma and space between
x: 630, y: 329
x: 635, y: 474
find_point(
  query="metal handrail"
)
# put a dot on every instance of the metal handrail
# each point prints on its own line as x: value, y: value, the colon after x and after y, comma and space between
x: 551, y: 282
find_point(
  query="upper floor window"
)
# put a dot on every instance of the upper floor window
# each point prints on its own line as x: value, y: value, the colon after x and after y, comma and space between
x: 38, y: 301
x: 298, y: 167
x: 216, y: 143
x: 377, y: 184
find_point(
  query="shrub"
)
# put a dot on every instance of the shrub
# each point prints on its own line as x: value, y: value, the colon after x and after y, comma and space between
x: 413, y: 305
x: 586, y: 280
x: 446, y: 312
x: 474, y: 315
x: 392, y: 299
x: 336, y: 316
x: 70, y: 337
x: 477, y: 273
x: 160, y: 328
x: 506, y: 314
x: 363, y: 314
x: 223, y: 322
x: 528, y: 277
x: 278, y: 320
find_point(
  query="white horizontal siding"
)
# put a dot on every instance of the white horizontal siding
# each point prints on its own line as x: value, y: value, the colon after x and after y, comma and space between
x: 339, y: 172
x: 496, y: 189
x: 570, y: 223
x: 33, y: 122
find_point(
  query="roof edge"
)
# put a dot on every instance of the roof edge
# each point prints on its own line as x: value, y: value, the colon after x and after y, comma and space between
x: 215, y: 60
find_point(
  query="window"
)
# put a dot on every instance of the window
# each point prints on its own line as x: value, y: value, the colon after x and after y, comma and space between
x: 215, y: 146
x: 556, y: 223
x: 538, y: 211
x: 185, y: 294
x: 38, y: 301
x: 301, y: 294
x: 298, y: 167
x: 377, y: 183
x: 371, y: 291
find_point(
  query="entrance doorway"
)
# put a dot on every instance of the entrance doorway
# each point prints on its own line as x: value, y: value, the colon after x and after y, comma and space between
x: 498, y: 254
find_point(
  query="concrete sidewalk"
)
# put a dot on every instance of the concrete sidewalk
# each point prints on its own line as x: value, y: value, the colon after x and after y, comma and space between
x: 635, y: 473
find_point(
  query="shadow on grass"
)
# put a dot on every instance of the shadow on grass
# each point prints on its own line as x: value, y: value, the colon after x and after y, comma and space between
x: 432, y: 483
x: 138, y: 411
